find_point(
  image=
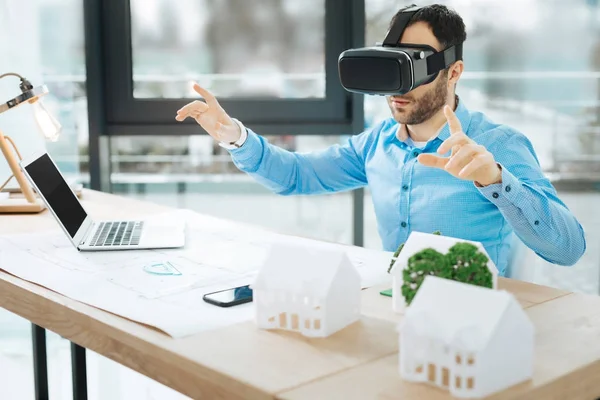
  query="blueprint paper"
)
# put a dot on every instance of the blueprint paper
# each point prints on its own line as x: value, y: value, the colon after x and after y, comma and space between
x: 218, y: 255
x: 122, y: 292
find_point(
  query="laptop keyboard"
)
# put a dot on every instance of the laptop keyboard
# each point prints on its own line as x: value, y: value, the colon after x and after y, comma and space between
x: 118, y: 233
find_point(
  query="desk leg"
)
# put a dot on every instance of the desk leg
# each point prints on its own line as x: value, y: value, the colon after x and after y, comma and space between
x: 358, y: 217
x: 40, y: 362
x: 78, y: 368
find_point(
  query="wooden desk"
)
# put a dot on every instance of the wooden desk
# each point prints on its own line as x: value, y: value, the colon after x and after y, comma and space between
x: 242, y: 362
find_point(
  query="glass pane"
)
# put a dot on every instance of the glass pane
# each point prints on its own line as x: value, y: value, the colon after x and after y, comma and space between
x: 45, y: 50
x: 195, y: 173
x: 515, y: 75
x: 54, y: 56
x: 235, y: 48
x: 62, y: 56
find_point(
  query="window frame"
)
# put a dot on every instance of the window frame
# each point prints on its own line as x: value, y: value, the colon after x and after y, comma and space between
x: 334, y: 114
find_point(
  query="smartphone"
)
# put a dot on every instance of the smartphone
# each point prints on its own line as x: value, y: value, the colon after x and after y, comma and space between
x: 229, y: 297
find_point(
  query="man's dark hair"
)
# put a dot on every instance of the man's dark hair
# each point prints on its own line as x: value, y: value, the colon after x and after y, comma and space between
x: 447, y: 26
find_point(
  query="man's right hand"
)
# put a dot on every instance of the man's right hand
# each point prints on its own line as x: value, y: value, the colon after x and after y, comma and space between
x: 211, y: 117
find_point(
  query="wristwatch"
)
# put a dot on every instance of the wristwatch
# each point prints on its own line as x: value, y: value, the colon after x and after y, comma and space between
x: 238, y: 143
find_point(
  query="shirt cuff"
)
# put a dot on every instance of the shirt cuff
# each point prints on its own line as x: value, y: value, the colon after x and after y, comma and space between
x: 248, y: 156
x: 507, y: 192
x: 240, y: 141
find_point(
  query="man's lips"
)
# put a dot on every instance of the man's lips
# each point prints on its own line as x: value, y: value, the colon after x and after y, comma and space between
x: 400, y: 102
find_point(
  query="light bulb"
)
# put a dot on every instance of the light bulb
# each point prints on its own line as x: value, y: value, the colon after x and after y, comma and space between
x: 48, y: 125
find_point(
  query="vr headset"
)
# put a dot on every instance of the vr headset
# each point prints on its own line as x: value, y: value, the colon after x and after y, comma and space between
x: 391, y: 68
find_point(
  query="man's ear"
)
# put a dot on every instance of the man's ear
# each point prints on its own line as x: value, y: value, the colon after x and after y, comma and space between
x: 455, y: 72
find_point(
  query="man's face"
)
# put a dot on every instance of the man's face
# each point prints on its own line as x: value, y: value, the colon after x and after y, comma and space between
x: 422, y: 103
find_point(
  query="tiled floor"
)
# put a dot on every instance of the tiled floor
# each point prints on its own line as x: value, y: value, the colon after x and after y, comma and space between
x: 324, y: 217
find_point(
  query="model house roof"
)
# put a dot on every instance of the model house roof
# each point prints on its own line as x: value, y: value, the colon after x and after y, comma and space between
x: 457, y: 313
x: 418, y: 241
x: 302, y: 270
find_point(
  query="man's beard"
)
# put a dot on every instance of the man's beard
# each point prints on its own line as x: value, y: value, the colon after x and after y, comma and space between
x: 425, y: 107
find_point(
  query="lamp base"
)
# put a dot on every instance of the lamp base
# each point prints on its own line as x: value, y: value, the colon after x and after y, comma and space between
x: 20, y: 206
x: 76, y: 187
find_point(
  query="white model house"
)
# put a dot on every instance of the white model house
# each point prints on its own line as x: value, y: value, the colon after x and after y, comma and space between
x: 470, y: 340
x: 312, y: 291
x: 418, y: 241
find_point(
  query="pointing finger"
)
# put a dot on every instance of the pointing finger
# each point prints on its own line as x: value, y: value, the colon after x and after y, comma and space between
x: 453, y: 122
x: 206, y: 95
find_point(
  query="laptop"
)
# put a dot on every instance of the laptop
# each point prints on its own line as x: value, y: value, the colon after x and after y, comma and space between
x: 87, y: 234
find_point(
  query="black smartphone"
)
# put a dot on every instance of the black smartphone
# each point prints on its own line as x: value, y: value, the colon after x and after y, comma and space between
x: 229, y: 297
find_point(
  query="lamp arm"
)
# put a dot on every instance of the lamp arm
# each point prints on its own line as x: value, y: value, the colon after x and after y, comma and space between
x: 16, y: 170
x: 14, y: 146
x: 11, y: 74
x: 18, y: 155
x: 6, y: 182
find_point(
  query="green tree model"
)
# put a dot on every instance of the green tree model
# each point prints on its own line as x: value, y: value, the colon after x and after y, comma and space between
x: 426, y: 262
x: 469, y: 265
x: 463, y: 263
x: 399, y: 249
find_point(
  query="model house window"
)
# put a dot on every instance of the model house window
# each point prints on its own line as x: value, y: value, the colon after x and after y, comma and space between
x: 458, y: 359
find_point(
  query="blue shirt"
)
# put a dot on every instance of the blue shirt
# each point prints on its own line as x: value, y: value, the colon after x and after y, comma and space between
x: 409, y: 196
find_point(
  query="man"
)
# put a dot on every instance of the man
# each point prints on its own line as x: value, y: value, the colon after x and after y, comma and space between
x: 434, y: 166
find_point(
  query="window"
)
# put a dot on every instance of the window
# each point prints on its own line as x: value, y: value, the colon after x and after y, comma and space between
x: 295, y: 322
x: 271, y: 63
x: 445, y: 376
x: 48, y: 53
x: 235, y: 48
x: 513, y: 74
x: 432, y: 369
x: 143, y: 55
x: 194, y: 172
x: 39, y: 45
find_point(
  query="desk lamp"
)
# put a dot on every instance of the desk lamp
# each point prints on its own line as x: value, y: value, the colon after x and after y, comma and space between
x: 49, y: 127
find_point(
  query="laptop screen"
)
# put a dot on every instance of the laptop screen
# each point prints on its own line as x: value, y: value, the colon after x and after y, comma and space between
x: 57, y: 193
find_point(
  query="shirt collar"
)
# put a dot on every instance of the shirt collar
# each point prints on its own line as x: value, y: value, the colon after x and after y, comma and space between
x: 443, y: 133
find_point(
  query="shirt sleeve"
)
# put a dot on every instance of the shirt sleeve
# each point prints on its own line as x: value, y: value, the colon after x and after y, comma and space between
x: 530, y: 204
x: 336, y: 168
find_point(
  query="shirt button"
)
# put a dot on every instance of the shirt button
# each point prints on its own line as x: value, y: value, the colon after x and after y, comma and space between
x: 537, y: 222
x: 416, y: 153
x: 404, y: 187
x: 507, y: 188
x: 495, y: 195
x: 403, y: 224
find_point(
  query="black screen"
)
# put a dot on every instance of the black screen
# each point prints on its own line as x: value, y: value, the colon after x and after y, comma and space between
x: 374, y: 73
x: 57, y: 193
x: 227, y: 296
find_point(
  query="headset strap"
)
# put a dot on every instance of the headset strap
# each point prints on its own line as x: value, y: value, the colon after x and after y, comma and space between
x: 435, y: 62
x: 395, y: 33
x: 443, y: 59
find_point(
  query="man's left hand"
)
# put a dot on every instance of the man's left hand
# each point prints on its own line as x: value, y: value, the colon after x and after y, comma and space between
x: 468, y: 160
